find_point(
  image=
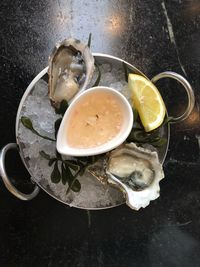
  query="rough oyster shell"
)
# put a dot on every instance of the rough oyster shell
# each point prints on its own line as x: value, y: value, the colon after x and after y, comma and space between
x: 97, y: 169
x: 138, y: 172
x: 71, y: 67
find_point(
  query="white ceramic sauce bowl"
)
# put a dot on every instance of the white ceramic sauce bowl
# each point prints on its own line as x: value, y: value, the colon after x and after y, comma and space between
x: 65, y: 149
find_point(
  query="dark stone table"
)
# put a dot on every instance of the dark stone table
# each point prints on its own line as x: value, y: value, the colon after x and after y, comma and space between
x: 154, y: 36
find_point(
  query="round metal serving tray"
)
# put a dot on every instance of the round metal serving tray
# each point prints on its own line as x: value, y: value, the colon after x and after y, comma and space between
x: 115, y: 196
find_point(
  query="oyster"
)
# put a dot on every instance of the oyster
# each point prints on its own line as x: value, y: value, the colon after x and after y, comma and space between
x: 138, y: 172
x: 71, y: 67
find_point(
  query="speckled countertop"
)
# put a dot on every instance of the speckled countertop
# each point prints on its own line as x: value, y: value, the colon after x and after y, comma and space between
x: 154, y: 36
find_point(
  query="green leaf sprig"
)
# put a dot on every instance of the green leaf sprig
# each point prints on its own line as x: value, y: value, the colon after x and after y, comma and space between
x: 61, y: 110
x: 64, y: 174
x: 126, y: 71
x: 89, y: 40
x: 29, y: 125
x: 139, y: 135
x: 62, y: 107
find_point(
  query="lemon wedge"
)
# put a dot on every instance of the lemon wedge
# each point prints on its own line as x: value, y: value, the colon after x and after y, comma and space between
x: 147, y: 100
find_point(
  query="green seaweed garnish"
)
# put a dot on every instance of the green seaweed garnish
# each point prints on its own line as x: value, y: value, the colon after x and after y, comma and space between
x: 29, y: 125
x: 89, y: 40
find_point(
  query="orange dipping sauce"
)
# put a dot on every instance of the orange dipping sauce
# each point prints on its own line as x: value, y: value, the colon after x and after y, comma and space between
x: 96, y: 119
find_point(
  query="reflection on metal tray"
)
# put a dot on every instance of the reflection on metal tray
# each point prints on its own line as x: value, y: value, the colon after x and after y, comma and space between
x: 93, y: 194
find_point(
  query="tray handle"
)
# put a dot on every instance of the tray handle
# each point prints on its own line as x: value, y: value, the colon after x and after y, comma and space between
x: 6, y: 179
x: 187, y: 87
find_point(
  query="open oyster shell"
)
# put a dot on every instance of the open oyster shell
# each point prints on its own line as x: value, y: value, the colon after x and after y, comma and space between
x: 138, y: 172
x: 71, y: 66
x: 97, y: 169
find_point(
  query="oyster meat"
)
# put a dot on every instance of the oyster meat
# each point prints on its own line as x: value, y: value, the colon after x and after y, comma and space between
x: 138, y: 172
x: 71, y: 66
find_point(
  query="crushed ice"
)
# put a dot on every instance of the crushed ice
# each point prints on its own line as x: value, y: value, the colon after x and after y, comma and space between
x: 38, y: 108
